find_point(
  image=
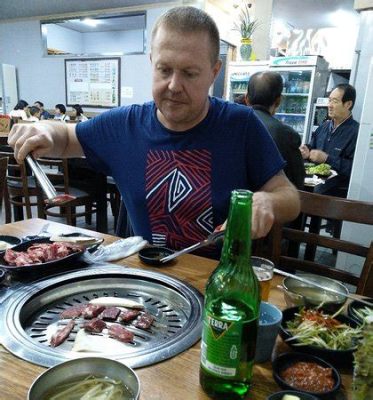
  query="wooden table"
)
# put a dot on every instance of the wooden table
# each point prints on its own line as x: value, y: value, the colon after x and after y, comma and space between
x: 173, y: 379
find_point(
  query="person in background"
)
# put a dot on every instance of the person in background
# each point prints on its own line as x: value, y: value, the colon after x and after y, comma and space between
x: 35, y: 113
x: 77, y: 113
x: 176, y: 159
x: 44, y: 114
x: 334, y: 141
x: 264, y: 95
x: 240, y: 99
x: 60, y: 113
x: 20, y: 111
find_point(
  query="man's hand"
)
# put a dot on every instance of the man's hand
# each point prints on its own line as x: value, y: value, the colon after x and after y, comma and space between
x: 305, y: 151
x: 44, y: 138
x: 263, y: 215
x: 318, y: 156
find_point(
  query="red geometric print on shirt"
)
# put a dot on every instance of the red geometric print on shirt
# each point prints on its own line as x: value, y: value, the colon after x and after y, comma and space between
x: 178, y: 194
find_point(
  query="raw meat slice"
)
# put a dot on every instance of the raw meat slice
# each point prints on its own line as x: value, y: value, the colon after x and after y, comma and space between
x: 128, y: 315
x: 120, y: 333
x: 73, y: 312
x: 144, y: 321
x: 110, y: 314
x: 95, y: 325
x: 62, y: 334
x: 92, y: 311
x: 116, y: 302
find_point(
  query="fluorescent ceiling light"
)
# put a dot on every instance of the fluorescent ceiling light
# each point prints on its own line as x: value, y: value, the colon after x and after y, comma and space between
x: 90, y: 22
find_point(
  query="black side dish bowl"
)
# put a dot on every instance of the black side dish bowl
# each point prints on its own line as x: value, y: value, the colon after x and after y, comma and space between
x: 286, y: 360
x: 300, y: 395
x: 343, y: 358
x: 153, y: 255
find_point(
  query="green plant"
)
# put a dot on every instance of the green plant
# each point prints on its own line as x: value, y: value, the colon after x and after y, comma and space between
x: 246, y: 26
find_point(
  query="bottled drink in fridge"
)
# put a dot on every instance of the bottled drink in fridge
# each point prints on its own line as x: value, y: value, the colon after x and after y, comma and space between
x: 231, y: 310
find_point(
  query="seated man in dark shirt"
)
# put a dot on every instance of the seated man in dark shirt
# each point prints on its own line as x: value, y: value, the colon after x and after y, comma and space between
x: 334, y: 141
x: 264, y: 95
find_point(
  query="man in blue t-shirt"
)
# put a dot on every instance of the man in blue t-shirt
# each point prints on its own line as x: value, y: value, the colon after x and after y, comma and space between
x: 176, y: 159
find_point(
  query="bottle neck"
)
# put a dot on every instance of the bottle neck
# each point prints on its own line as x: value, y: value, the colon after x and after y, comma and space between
x: 237, y: 242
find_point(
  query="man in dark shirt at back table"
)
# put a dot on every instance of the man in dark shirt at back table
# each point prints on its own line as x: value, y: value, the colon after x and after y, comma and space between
x: 264, y: 95
x: 334, y: 141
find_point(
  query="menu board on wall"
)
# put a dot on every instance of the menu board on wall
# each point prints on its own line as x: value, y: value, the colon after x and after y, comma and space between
x: 93, y: 82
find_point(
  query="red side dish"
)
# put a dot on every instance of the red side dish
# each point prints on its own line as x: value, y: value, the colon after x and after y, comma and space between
x: 309, y: 376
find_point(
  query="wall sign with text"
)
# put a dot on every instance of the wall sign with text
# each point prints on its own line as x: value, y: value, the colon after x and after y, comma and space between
x: 93, y: 82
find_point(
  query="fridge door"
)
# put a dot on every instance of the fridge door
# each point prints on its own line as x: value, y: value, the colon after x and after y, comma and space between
x: 238, y: 77
x: 296, y: 103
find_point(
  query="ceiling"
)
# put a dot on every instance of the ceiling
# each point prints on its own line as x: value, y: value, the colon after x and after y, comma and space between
x: 300, y: 14
x: 313, y: 14
x: 130, y: 22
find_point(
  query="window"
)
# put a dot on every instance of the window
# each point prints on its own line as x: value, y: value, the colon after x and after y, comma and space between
x: 92, y: 36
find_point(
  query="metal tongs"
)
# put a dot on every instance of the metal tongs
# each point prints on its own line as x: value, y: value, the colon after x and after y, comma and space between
x: 212, y: 238
x: 46, y: 185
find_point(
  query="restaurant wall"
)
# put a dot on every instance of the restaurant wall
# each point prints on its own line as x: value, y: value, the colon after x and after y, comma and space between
x: 43, y: 78
x: 60, y: 38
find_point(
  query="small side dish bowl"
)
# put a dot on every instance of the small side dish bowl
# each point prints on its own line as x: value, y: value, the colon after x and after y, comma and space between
x: 292, y: 395
x: 74, y: 370
x: 297, y: 293
x: 288, y: 360
x: 153, y: 255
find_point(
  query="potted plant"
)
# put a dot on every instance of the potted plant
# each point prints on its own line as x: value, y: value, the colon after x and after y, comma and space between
x: 246, y: 27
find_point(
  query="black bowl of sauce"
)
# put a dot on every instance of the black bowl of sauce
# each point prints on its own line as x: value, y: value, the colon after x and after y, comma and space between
x: 306, y: 373
x: 153, y: 255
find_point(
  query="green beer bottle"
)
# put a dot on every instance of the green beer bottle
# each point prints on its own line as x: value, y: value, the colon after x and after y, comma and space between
x: 231, y: 311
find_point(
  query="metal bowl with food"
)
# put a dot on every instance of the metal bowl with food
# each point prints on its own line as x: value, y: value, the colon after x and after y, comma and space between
x: 77, y: 377
x: 297, y: 293
x: 333, y: 338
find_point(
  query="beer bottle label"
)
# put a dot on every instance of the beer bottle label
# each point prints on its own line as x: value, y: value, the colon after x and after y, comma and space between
x: 221, y: 346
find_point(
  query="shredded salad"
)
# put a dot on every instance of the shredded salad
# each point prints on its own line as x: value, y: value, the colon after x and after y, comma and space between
x: 313, y: 327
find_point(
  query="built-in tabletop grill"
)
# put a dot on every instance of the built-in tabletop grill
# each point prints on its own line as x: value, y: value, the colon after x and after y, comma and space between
x: 31, y: 313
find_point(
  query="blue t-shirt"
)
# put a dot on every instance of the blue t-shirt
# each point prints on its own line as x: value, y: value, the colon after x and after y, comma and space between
x: 176, y: 185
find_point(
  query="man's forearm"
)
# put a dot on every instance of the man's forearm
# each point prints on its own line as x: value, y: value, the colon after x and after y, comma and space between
x: 286, y: 203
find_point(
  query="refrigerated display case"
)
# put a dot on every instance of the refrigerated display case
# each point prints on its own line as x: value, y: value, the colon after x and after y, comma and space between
x: 320, y: 113
x: 238, y: 77
x: 305, y: 78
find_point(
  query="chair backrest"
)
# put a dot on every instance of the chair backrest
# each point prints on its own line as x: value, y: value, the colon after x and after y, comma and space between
x: 21, y: 189
x: 57, y: 171
x: 3, y: 173
x: 335, y: 208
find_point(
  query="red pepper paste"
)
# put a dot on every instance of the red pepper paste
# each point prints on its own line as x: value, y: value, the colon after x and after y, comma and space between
x: 309, y: 376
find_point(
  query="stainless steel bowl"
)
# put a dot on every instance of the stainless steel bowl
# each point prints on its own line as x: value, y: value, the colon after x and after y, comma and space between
x: 70, y: 370
x: 297, y: 293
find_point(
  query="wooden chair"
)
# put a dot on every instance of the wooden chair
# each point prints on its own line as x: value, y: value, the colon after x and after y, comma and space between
x: 57, y: 171
x: 21, y: 192
x: 3, y: 173
x: 336, y: 208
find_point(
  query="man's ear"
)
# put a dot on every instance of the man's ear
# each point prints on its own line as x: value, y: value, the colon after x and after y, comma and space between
x: 277, y: 102
x: 348, y: 104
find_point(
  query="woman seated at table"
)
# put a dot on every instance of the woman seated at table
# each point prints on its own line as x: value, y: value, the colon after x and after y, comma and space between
x: 20, y: 111
x: 60, y: 113
x: 77, y: 113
